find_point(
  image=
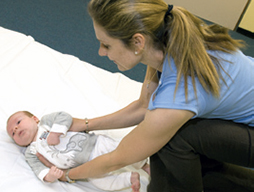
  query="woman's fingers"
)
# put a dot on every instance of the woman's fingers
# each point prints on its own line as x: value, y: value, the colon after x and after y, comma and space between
x: 44, y: 160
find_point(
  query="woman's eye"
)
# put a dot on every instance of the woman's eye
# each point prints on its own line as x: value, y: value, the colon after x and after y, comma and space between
x: 19, y: 122
x: 106, y: 46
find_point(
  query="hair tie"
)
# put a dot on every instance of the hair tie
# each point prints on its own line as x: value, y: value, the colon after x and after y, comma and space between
x: 170, y: 7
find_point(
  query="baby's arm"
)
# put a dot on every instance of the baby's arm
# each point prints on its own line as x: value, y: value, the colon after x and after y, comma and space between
x: 53, y: 174
x: 59, y: 123
x: 37, y: 166
x: 40, y: 170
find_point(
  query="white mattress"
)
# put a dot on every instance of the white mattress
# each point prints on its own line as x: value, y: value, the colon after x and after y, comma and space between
x: 41, y: 80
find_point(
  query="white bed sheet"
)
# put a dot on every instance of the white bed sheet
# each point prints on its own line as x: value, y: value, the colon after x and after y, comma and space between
x: 39, y: 79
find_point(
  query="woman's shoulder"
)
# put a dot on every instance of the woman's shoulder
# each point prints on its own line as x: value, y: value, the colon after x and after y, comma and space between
x: 228, y: 56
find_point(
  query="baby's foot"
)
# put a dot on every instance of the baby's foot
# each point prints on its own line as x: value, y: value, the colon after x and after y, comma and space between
x: 135, y: 181
x: 146, y: 168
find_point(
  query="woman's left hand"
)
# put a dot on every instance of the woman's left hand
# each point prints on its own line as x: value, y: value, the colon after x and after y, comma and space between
x: 63, y: 178
x: 44, y: 160
x: 49, y: 165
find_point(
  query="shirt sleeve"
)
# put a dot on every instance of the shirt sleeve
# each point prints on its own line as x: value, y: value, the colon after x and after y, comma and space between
x: 59, y: 122
x: 167, y: 96
x: 37, y: 166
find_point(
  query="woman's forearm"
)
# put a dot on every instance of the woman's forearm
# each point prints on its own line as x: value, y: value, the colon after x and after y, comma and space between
x: 131, y: 115
x: 94, y: 168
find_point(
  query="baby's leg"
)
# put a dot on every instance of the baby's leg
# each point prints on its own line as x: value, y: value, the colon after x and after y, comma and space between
x: 142, y: 165
x: 135, y: 181
x: 114, y: 181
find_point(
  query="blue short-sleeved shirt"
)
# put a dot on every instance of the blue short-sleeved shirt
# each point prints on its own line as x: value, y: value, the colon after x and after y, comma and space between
x: 236, y: 101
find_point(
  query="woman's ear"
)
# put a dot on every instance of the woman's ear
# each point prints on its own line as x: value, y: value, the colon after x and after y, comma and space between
x: 138, y: 42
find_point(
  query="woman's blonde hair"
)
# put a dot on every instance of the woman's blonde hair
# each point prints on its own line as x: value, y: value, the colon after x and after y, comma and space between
x: 181, y: 35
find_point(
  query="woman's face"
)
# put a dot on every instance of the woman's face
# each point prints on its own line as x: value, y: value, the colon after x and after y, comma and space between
x: 115, y: 50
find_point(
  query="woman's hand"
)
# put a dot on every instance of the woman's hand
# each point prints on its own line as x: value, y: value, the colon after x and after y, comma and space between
x: 63, y: 178
x: 44, y: 160
x: 78, y: 125
x: 49, y: 165
x: 54, y: 138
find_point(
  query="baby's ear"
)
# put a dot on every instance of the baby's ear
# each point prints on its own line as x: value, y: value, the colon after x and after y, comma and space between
x: 35, y: 119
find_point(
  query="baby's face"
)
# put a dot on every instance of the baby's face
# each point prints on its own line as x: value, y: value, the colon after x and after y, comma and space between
x: 22, y: 128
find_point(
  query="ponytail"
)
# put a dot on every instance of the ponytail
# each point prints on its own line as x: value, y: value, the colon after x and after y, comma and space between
x: 188, y: 40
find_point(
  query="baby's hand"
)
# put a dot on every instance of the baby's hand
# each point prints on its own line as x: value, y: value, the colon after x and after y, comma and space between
x: 53, y: 138
x: 53, y: 174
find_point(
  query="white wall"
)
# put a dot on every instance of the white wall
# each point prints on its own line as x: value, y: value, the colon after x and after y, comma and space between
x: 223, y: 12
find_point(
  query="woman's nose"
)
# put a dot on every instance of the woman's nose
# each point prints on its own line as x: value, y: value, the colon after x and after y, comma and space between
x: 102, y: 51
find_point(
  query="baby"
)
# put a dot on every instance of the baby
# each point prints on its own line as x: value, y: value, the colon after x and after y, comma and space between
x: 50, y: 138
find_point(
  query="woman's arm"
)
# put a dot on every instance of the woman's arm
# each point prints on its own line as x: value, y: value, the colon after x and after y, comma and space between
x: 131, y: 115
x: 158, y: 127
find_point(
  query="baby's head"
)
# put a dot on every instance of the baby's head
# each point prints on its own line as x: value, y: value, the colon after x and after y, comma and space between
x: 22, y: 127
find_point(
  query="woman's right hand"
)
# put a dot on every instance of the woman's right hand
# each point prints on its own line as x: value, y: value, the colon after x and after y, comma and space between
x: 78, y: 125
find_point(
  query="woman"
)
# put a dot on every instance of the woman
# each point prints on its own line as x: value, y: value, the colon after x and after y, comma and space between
x: 198, y: 89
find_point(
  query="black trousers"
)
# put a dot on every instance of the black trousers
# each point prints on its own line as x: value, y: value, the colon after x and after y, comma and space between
x: 202, y: 157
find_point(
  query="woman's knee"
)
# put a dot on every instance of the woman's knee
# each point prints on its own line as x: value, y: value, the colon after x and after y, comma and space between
x: 221, y: 140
